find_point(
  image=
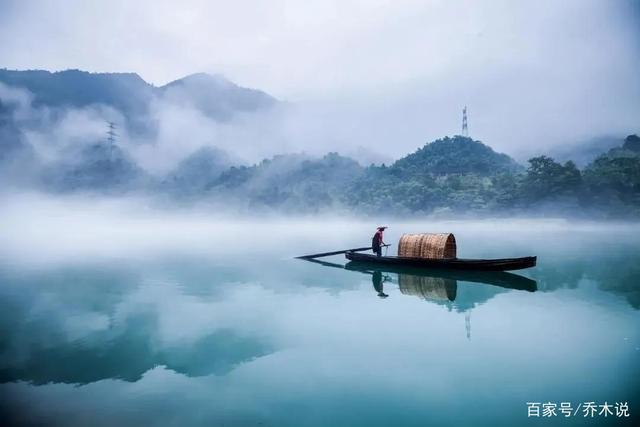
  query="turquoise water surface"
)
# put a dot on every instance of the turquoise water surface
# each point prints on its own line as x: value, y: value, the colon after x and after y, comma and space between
x: 171, y: 323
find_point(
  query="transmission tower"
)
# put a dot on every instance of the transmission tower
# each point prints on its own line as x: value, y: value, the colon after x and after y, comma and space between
x: 111, y: 133
x: 465, y: 129
x: 111, y: 137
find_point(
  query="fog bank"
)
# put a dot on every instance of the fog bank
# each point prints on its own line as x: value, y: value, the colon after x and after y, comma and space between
x: 43, y: 229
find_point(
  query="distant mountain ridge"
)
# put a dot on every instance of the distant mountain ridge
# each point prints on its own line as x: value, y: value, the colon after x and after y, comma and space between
x: 197, y: 90
x: 128, y: 93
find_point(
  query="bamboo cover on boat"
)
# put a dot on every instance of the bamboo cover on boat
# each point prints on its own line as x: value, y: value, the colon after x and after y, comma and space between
x: 433, y: 288
x: 434, y: 246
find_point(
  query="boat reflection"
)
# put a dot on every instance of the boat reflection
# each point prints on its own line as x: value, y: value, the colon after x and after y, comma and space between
x: 411, y: 280
x: 425, y: 287
x: 433, y: 284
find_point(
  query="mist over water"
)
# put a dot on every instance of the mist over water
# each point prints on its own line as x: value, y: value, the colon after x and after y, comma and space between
x: 40, y: 226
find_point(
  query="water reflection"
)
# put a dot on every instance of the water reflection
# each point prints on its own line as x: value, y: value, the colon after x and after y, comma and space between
x: 378, y: 281
x: 128, y: 355
x: 440, y: 286
x: 433, y: 284
x: 86, y: 324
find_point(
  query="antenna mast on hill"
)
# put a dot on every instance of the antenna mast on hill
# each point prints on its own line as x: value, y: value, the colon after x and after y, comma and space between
x: 465, y: 129
x: 111, y: 136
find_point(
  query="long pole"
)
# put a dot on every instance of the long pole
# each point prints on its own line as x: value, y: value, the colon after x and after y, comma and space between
x: 335, y: 252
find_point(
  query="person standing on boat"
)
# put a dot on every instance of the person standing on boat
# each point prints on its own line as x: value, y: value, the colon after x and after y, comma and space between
x: 377, y: 241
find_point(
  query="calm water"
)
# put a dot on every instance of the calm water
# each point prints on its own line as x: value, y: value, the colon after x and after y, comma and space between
x: 192, y: 322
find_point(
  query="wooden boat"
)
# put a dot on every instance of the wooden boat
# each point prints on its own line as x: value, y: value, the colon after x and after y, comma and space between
x: 431, y: 251
x: 501, y: 264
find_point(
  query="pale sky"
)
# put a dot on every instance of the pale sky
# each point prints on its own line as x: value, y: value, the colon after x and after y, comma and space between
x: 389, y: 75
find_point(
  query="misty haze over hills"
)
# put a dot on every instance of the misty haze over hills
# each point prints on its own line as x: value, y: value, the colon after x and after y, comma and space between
x: 186, y: 140
x: 52, y: 112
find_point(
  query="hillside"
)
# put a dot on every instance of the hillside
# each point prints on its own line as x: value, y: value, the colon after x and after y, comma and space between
x: 97, y: 168
x: 195, y: 173
x: 613, y: 179
x: 294, y: 183
x: 457, y: 155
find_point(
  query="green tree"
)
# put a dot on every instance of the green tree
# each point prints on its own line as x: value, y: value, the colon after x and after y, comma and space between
x: 547, y: 179
x: 614, y: 183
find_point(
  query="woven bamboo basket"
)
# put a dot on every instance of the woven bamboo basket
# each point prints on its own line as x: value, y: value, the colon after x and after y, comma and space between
x: 431, y: 288
x: 434, y: 246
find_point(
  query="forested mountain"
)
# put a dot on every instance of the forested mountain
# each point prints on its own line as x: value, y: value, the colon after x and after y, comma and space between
x: 479, y: 182
x: 448, y: 174
x: 457, y: 155
x: 96, y: 168
x: 292, y: 182
x: 452, y: 173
